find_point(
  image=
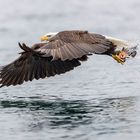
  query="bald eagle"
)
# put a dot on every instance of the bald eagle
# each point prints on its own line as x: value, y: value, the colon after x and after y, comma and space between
x: 60, y: 53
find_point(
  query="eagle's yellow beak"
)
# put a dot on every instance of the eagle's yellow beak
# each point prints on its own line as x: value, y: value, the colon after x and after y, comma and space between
x: 121, y: 57
x: 44, y: 38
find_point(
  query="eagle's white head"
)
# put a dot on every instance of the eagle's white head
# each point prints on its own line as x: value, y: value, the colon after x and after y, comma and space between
x: 48, y: 36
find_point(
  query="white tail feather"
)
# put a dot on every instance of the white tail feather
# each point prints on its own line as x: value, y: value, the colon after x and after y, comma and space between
x: 118, y: 42
x: 130, y: 48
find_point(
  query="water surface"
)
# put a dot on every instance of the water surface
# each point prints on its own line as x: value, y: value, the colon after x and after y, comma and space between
x: 99, y: 100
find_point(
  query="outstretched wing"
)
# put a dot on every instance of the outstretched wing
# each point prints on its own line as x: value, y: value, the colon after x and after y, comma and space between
x: 31, y: 65
x: 61, y: 54
x: 68, y: 45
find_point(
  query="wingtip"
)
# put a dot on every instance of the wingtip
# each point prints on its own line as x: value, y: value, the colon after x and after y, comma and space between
x: 1, y: 86
x: 24, y: 47
x: 21, y: 46
x: 0, y: 78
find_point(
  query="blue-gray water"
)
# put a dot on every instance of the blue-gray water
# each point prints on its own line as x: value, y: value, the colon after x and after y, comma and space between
x: 99, y: 100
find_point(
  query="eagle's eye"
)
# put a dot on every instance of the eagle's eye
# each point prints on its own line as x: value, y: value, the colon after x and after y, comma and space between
x: 48, y: 35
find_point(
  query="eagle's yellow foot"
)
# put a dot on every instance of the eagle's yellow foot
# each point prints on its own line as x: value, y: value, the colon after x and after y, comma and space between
x: 120, y: 57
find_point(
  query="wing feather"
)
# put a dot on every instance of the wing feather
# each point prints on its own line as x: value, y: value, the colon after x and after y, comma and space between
x: 31, y: 66
x: 61, y: 54
x: 75, y: 44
